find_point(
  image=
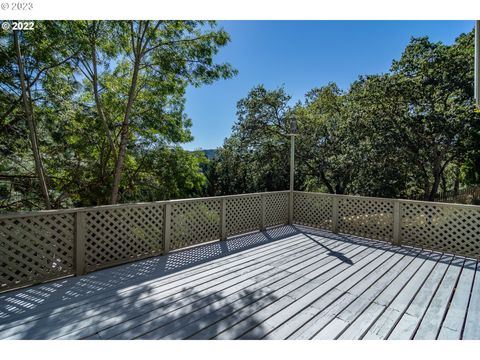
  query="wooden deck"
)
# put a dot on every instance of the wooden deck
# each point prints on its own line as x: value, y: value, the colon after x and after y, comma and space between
x: 284, y: 283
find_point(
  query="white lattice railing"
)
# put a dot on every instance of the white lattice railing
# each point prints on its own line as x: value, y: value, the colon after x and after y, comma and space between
x: 452, y: 228
x: 46, y: 245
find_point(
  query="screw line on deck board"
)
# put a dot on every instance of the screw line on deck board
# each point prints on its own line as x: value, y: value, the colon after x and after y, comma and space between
x: 444, y: 290
x: 322, y: 266
x: 343, y: 292
x: 376, y: 296
x: 390, y: 301
x: 412, y: 299
x: 211, y: 295
x: 328, y: 305
x: 287, y: 260
x: 385, y: 308
x: 251, y: 328
x: 294, y: 290
x: 426, y: 308
x: 450, y: 300
x: 285, y: 250
x: 270, y: 284
x: 469, y: 299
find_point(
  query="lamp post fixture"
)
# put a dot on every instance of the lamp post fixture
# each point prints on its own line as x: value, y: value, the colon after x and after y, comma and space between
x: 293, y: 133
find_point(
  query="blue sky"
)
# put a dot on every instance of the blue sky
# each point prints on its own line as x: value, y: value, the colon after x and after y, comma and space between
x: 300, y: 55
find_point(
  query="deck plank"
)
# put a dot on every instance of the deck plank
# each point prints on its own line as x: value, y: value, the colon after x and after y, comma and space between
x: 411, y: 316
x: 373, y: 281
x: 299, y: 283
x: 394, y: 310
x: 154, y: 291
x: 282, y: 296
x: 418, y: 271
x: 472, y: 328
x: 300, y: 298
x: 432, y: 320
x: 344, y: 318
x: 116, y: 312
x: 205, y: 269
x: 457, y: 311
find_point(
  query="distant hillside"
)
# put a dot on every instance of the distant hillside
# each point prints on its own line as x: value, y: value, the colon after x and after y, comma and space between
x: 210, y: 153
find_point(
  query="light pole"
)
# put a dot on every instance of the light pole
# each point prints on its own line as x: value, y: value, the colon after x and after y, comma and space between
x: 293, y: 133
x: 477, y: 64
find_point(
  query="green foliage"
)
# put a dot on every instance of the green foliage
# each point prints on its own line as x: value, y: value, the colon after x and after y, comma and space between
x: 79, y: 75
x: 407, y: 133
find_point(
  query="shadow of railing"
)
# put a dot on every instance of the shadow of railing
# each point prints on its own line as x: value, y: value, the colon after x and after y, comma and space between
x: 43, y: 300
x: 28, y: 301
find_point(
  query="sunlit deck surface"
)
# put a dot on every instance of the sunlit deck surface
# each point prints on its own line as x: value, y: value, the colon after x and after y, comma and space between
x: 284, y: 283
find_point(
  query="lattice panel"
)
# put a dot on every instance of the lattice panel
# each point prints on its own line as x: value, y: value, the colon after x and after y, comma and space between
x: 243, y: 214
x: 194, y: 223
x: 312, y: 210
x: 276, y: 209
x: 122, y: 234
x: 35, y: 249
x: 372, y: 218
x: 444, y: 228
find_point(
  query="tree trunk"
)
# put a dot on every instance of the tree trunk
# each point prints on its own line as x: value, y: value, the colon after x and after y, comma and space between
x: 98, y: 101
x: 456, y: 184
x: 444, y: 184
x: 124, y: 133
x: 437, y: 175
x: 31, y: 124
x: 330, y: 188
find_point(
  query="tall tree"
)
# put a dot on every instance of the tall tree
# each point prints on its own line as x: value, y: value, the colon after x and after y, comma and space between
x: 162, y: 58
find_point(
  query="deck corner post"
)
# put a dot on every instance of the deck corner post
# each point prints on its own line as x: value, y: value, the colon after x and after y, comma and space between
x: 79, y: 243
x: 397, y: 219
x: 167, y: 228
x: 335, y: 211
x: 223, y: 219
x: 262, y: 216
x: 290, y: 207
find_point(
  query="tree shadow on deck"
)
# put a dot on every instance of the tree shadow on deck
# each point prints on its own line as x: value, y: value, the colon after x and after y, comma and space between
x: 177, y: 316
x: 63, y: 292
x: 129, y: 287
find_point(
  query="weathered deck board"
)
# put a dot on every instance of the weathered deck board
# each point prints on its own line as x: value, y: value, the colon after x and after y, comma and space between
x: 287, y: 282
x: 357, y: 328
x: 375, y: 280
x: 472, y: 328
x: 453, y: 325
x: 302, y: 283
x: 394, y: 310
x: 172, y: 293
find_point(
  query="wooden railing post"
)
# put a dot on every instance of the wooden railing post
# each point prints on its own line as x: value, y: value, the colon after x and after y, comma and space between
x: 335, y: 207
x: 290, y: 207
x: 397, y: 222
x: 79, y: 243
x: 223, y: 218
x: 262, y: 217
x: 166, y: 228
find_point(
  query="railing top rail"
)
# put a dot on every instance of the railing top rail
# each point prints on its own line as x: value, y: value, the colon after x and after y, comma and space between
x: 12, y: 215
x: 464, y: 206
